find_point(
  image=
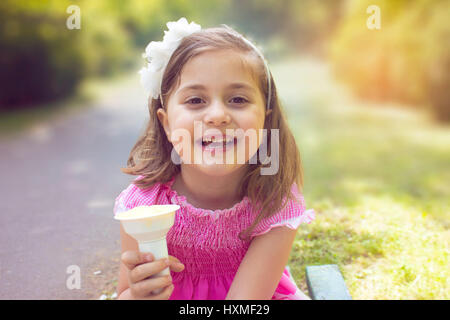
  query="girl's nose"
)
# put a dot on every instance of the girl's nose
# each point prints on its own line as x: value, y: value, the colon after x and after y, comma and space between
x: 217, y: 115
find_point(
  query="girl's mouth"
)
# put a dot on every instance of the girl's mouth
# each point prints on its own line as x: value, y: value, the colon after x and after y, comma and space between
x: 219, y: 144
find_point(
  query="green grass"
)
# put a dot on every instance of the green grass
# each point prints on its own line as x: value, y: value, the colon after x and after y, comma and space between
x: 378, y: 177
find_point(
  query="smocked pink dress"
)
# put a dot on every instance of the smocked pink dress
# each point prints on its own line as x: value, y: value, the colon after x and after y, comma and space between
x: 207, y: 241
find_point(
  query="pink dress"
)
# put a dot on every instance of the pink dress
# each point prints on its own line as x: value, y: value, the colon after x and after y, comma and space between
x: 207, y: 242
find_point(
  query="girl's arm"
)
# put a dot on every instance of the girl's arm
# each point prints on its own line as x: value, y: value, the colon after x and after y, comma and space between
x: 261, y: 269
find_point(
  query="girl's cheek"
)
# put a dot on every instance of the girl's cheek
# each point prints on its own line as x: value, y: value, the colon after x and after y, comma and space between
x: 182, y: 121
x: 253, y: 124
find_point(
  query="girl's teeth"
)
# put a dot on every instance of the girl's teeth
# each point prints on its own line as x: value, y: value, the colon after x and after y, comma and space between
x: 214, y: 140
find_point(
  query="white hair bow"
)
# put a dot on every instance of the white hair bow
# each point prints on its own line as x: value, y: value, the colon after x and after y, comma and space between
x: 158, y: 54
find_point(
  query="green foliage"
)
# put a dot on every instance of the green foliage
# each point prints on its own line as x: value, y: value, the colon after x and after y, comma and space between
x: 106, y: 45
x: 38, y: 63
x: 406, y: 60
x: 42, y: 60
x: 300, y: 23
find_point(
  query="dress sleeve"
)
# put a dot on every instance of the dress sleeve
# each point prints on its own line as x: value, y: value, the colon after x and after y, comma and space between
x: 133, y: 196
x: 122, y: 202
x: 291, y: 216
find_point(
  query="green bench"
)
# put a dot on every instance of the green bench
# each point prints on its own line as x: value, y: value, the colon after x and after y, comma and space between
x: 325, y: 282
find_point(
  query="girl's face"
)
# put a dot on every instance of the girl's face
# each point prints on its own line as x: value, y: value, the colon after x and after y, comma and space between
x: 217, y: 94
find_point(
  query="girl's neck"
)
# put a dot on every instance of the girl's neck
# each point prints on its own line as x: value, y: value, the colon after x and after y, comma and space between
x: 206, y: 191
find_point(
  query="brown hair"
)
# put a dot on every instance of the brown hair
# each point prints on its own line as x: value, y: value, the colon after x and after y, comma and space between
x: 267, y: 193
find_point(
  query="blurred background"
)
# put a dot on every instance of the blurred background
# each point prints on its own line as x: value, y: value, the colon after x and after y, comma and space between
x: 366, y: 92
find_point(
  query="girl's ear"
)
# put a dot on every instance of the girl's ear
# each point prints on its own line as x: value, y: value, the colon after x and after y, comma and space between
x: 268, y: 112
x: 164, y: 120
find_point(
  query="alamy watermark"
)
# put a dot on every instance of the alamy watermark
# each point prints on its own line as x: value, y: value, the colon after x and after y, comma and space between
x: 234, y: 146
x: 74, y: 20
x: 73, y: 281
x: 374, y: 20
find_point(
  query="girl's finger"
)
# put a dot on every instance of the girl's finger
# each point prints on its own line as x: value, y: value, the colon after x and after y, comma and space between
x: 146, y: 270
x: 133, y: 258
x: 177, y: 267
x: 175, y: 264
x: 173, y: 259
x: 144, y: 288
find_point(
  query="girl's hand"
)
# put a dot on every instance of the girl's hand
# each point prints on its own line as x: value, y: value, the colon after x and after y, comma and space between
x: 142, y: 266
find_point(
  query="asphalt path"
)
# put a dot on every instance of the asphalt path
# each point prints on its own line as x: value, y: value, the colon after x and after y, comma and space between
x: 58, y: 182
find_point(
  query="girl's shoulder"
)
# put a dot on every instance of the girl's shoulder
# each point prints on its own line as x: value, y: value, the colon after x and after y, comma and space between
x: 291, y: 215
x: 133, y: 196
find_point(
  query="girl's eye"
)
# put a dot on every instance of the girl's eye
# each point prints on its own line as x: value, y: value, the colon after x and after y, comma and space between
x: 238, y: 100
x: 194, y: 101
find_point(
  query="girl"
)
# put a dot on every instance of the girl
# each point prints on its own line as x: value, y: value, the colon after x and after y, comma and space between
x: 234, y: 230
